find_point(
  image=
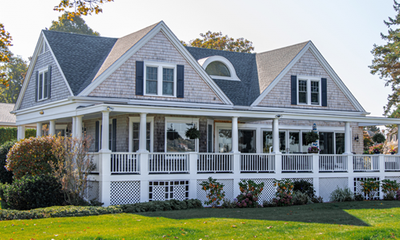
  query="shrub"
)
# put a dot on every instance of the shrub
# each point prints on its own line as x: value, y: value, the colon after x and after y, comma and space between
x: 154, y: 206
x: 33, y: 192
x: 379, y: 138
x: 300, y: 198
x: 398, y: 194
x: 341, y: 195
x: 283, y: 192
x: 5, y: 176
x: 358, y: 197
x: 10, y: 134
x: 249, y: 193
x: 389, y: 188
x: 229, y: 204
x: 3, y: 204
x: 304, y: 187
x: 214, y: 191
x: 369, y: 187
x: 31, y: 157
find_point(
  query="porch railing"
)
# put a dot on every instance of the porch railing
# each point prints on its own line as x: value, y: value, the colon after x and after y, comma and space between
x: 392, y: 163
x: 257, y: 162
x: 168, y: 163
x: 366, y: 163
x: 215, y: 163
x: 297, y: 163
x: 333, y: 163
x: 127, y: 163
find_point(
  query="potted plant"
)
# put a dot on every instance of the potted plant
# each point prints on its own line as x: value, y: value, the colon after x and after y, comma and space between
x: 193, y: 133
x: 313, y: 150
x: 311, y: 137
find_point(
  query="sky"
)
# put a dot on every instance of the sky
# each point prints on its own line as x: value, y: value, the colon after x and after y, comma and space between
x: 343, y: 31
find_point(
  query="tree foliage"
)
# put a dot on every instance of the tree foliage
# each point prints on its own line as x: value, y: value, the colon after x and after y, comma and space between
x: 216, y: 40
x: 386, y: 59
x: 80, y: 7
x: 15, y: 71
x: 5, y: 54
x: 379, y: 138
x: 75, y: 24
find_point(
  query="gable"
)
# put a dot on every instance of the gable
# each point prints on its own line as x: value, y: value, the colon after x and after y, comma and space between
x: 59, y: 88
x: 307, y: 65
x: 121, y: 83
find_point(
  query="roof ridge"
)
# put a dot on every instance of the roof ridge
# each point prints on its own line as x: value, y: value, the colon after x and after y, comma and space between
x: 211, y: 49
x: 72, y: 33
x: 281, y: 48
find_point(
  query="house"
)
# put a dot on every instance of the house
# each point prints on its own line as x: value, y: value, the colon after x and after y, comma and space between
x: 137, y: 95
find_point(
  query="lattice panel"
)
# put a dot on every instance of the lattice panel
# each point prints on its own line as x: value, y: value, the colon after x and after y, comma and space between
x: 166, y: 190
x: 328, y: 185
x: 228, y: 189
x: 310, y: 180
x: 125, y: 192
x: 358, y: 187
x: 92, y: 191
x: 392, y: 178
x: 268, y: 191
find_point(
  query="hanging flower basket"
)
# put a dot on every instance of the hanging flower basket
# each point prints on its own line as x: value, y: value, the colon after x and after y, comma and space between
x: 193, y: 133
x: 311, y: 137
x: 313, y: 150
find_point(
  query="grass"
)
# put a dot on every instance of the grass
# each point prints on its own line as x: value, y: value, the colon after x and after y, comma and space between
x: 350, y: 220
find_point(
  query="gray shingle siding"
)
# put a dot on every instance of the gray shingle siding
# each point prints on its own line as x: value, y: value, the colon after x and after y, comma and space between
x: 59, y: 89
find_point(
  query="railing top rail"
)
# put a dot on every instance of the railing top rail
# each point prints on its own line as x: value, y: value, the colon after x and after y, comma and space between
x: 297, y: 154
x: 332, y: 155
x: 171, y: 153
x: 257, y: 154
x: 123, y: 153
x: 365, y: 155
x: 202, y: 153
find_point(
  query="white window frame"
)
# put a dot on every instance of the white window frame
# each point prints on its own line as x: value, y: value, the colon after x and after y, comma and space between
x: 42, y: 71
x: 205, y: 61
x: 309, y: 80
x: 181, y: 120
x: 137, y: 120
x: 160, y: 66
x: 43, y: 48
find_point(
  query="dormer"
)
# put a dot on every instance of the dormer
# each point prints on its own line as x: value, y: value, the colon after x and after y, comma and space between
x: 219, y: 67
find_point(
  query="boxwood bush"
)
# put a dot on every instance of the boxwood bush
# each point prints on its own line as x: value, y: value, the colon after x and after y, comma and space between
x: 33, y: 192
x: 5, y: 176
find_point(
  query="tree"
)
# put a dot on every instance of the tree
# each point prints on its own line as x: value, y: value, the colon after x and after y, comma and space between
x: 378, y: 138
x: 15, y: 71
x: 73, y: 25
x: 216, y: 40
x: 386, y: 60
x: 5, y: 54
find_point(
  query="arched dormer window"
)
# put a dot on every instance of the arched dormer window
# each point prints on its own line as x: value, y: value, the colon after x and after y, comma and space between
x: 219, y: 67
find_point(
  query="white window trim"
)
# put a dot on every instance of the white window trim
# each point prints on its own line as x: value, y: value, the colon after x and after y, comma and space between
x: 137, y: 120
x: 309, y: 80
x: 159, y: 66
x: 43, y: 47
x: 42, y: 71
x: 205, y: 61
x: 181, y: 120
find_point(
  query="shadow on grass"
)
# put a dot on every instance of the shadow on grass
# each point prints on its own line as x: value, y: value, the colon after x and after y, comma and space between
x: 330, y: 213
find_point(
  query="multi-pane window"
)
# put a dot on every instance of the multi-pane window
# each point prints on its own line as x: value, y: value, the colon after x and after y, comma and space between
x: 135, y: 136
x: 151, y: 80
x: 314, y: 93
x: 309, y: 92
x: 160, y: 79
x: 168, y: 81
x: 43, y: 82
x: 303, y: 91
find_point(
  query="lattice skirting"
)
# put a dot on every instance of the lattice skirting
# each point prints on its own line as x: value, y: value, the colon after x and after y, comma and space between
x: 124, y: 192
x: 392, y: 178
x: 93, y: 190
x: 328, y: 185
x: 358, y: 187
x: 268, y: 192
x: 228, y: 188
x: 166, y: 190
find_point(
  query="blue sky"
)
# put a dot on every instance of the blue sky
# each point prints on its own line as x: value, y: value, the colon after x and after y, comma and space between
x: 344, y: 31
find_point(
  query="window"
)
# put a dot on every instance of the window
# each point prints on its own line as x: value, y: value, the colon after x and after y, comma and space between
x: 268, y: 141
x: 160, y: 79
x: 42, y: 85
x: 217, y: 68
x: 134, y: 133
x: 309, y: 91
x: 175, y: 134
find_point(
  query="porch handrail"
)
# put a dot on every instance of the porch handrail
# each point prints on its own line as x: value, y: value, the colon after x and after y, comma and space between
x: 297, y: 163
x: 215, y: 163
x: 332, y: 163
x: 257, y: 162
x: 392, y: 163
x: 169, y: 162
x: 124, y: 162
x: 365, y: 163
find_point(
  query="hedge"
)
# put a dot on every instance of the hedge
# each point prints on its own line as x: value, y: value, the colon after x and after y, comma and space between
x: 9, y: 133
x: 75, y: 211
x: 5, y: 176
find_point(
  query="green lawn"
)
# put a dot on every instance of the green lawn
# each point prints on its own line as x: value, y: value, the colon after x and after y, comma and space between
x: 351, y: 220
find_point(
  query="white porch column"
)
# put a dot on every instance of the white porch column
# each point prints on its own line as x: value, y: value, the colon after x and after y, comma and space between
x: 398, y: 141
x: 142, y: 133
x: 275, y: 135
x: 21, y: 132
x: 235, y: 135
x: 347, y: 139
x: 78, y: 129
x: 52, y: 127
x: 105, y: 131
x: 73, y: 132
x: 38, y: 129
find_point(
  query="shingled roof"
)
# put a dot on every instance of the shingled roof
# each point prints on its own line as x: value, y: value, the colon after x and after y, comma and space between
x: 6, y: 118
